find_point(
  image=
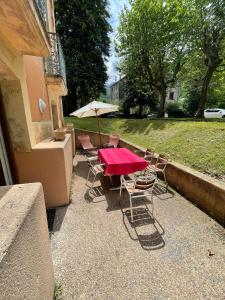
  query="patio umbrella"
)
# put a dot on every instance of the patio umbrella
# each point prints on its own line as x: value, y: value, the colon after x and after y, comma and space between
x: 95, y: 109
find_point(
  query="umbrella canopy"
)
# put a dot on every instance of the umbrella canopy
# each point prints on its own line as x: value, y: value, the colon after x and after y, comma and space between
x: 95, y: 109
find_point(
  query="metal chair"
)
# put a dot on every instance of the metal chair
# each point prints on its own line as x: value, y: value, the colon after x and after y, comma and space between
x: 159, y: 167
x: 149, y: 155
x: 141, y: 186
x: 95, y: 168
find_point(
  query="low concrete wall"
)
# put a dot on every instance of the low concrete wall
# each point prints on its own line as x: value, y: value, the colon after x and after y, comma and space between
x: 26, y: 269
x: 72, y: 133
x: 50, y: 163
x: 202, y: 190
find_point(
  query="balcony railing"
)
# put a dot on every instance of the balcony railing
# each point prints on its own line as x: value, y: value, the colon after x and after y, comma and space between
x: 41, y: 4
x: 55, y: 63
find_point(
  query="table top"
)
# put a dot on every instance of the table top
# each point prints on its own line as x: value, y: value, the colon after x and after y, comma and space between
x: 121, y: 161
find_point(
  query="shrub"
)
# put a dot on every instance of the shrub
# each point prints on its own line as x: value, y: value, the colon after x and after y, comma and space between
x: 174, y: 110
x: 191, y: 102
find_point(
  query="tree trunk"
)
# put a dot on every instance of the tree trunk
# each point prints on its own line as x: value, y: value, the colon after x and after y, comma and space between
x: 204, y: 92
x: 162, y: 101
x: 84, y: 100
x: 126, y: 109
x: 140, y: 109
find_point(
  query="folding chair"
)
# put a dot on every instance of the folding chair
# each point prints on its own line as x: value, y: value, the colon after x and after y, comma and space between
x: 87, y: 146
x: 113, y: 142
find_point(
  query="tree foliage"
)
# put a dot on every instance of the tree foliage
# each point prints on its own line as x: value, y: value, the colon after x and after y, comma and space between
x: 161, y: 41
x: 83, y: 28
x: 133, y: 98
x: 153, y: 44
x: 208, y: 38
x: 191, y: 81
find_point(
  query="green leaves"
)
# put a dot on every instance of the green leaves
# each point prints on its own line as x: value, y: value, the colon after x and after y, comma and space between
x: 83, y: 27
x: 157, y: 39
x: 153, y: 43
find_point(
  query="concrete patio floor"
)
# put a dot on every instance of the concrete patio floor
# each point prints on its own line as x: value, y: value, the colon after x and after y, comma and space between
x: 98, y: 254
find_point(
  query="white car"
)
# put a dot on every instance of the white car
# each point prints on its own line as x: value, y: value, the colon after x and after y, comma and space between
x: 214, y: 113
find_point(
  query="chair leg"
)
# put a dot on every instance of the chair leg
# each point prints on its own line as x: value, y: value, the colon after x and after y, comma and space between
x: 131, y: 209
x: 93, y: 181
x: 88, y: 176
x: 152, y: 204
x: 165, y: 180
x: 121, y: 185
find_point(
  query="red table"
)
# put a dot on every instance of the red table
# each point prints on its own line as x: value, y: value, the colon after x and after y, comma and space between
x: 121, y: 161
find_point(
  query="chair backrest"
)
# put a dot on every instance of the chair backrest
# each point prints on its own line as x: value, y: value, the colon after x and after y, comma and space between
x: 149, y: 151
x: 85, y: 142
x: 145, y: 182
x: 114, y: 140
x: 149, y: 155
x: 162, y: 162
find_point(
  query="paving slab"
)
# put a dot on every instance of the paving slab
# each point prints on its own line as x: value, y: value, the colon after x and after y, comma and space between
x: 98, y: 254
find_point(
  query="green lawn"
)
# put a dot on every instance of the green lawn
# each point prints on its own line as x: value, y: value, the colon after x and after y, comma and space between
x: 200, y: 145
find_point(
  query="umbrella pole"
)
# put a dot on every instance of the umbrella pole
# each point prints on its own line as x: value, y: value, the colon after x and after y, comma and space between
x: 100, y: 138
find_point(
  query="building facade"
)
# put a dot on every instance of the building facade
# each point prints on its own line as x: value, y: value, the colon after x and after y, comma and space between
x: 32, y: 83
x: 117, y: 91
x: 173, y: 93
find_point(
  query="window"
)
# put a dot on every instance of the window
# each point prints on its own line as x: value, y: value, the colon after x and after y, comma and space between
x: 212, y: 110
x: 171, y: 96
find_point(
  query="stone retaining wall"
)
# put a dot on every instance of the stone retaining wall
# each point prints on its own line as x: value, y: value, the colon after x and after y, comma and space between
x: 205, y: 192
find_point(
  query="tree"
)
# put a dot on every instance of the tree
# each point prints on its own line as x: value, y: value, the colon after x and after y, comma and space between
x: 192, y: 78
x: 83, y: 27
x: 209, y: 37
x: 153, y: 44
x: 133, y: 97
x: 191, y: 101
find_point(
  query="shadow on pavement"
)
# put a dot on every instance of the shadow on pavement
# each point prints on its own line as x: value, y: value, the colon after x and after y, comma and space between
x: 148, y: 231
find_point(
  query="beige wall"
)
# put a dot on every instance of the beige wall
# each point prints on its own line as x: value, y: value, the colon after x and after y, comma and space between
x: 22, y: 83
x: 51, y: 164
x: 18, y: 118
x: 21, y: 27
x: 72, y: 133
x: 51, y: 16
x: 55, y: 98
x: 16, y: 97
x: 61, y: 111
x: 42, y: 130
x: 34, y: 69
x: 26, y: 269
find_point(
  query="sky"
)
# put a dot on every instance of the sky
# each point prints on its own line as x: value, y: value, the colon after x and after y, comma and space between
x: 115, y: 7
